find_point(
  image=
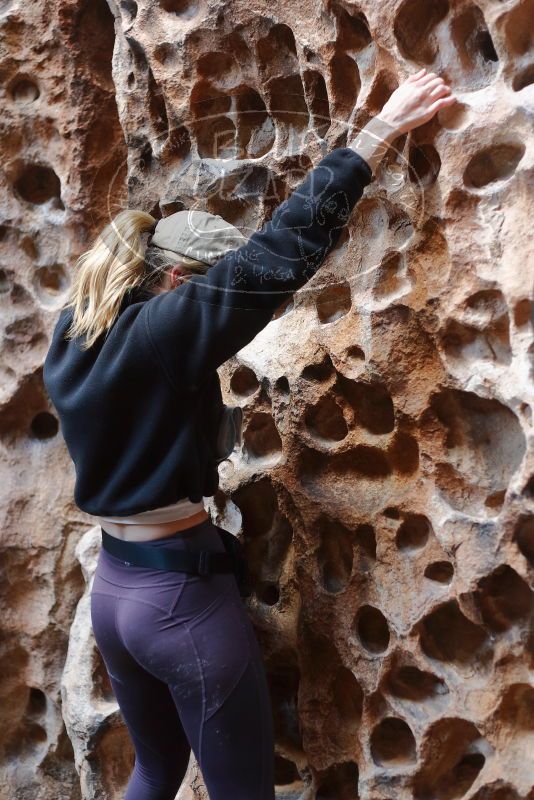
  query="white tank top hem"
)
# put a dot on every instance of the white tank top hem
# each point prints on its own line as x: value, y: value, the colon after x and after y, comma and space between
x: 175, y: 511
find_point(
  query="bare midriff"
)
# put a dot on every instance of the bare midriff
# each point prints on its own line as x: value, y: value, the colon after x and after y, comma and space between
x: 155, y: 530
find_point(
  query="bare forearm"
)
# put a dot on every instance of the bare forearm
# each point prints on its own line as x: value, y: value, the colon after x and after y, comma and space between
x: 373, y: 141
x: 412, y: 103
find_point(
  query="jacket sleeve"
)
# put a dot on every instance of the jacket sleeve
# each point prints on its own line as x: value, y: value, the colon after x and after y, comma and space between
x: 204, y: 321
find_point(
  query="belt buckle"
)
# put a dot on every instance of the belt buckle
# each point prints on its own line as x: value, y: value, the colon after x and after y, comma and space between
x: 203, y: 562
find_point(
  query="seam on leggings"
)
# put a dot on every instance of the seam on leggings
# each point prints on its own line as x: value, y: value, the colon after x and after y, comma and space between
x: 140, y: 586
x: 249, y: 658
x: 133, y: 600
x: 199, y: 618
x: 117, y: 631
x: 177, y: 598
x: 201, y: 726
x: 262, y: 727
x: 229, y: 692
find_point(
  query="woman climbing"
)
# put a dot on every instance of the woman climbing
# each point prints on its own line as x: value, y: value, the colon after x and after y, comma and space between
x: 131, y: 371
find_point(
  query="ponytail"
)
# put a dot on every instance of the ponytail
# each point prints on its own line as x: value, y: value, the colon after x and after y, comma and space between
x: 113, y: 266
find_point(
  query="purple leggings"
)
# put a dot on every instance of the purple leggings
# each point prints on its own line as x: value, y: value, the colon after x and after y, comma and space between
x: 187, y: 672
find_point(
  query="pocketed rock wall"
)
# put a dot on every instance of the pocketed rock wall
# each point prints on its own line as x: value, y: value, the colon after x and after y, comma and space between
x: 385, y: 490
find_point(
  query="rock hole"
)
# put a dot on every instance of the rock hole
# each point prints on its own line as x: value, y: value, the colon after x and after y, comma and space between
x: 284, y: 679
x: 474, y: 46
x: 24, y: 90
x: 524, y: 538
x: 347, y: 697
x: 384, y: 84
x: 30, y: 738
x: 255, y: 129
x: 229, y: 197
x: 518, y: 27
x: 101, y: 687
x: 320, y: 372
x: 346, y: 84
x: 362, y: 461
x: 452, y: 760
x: 145, y: 157
x: 413, y: 532
x: 5, y: 282
x: 334, y: 556
x: 44, y: 426
x: 268, y: 593
x: 495, y: 163
x: 447, y: 635
x: 50, y: 282
x: 391, y: 512
x: 326, y: 420
x: 214, y: 131
x: 96, y: 25
x: 412, y: 683
x: 170, y: 208
x: 282, y: 385
x: 523, y: 312
x: 415, y: 39
x: 352, y: 31
x: 526, y: 411
x: 317, y: 95
x: 287, y: 103
x: 389, y: 275
x: 339, y: 782
x: 130, y: 8
x: 487, y: 304
x: 182, y: 8
x: 424, y: 165
x: 285, y: 771
x: 403, y: 453
x: 244, y: 381
x: 484, y: 44
x: 453, y: 117
x: 333, y: 302
x: 355, y: 352
x: 392, y: 742
x: 164, y: 53
x: 516, y: 709
x: 372, y: 629
x: 486, y: 329
x: 216, y: 65
x: 372, y: 404
x: 277, y: 52
x: 156, y: 106
x: 261, y: 439
x: 365, y: 538
x: 38, y: 183
x: 523, y: 78
x: 495, y: 499
x: 504, y: 598
x: 439, y: 571
x: 36, y: 706
x: 477, y: 431
x: 401, y: 228
x: 284, y: 308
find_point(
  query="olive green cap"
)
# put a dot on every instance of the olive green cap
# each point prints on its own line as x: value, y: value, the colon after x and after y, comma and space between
x: 196, y: 234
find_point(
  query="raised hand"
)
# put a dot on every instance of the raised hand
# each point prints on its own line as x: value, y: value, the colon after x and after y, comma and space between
x: 416, y: 101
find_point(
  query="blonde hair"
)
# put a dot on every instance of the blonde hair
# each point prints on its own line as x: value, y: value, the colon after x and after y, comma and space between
x: 119, y: 261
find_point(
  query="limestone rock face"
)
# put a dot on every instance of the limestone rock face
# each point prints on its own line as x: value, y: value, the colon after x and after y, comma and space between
x: 385, y: 488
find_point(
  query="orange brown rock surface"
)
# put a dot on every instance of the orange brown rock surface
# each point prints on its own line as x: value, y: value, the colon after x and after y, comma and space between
x: 385, y: 489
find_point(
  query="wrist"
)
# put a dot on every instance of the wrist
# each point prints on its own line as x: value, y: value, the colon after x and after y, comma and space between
x: 385, y: 127
x: 374, y: 140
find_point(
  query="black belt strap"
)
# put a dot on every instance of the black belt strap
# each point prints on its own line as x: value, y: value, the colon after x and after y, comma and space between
x: 199, y: 562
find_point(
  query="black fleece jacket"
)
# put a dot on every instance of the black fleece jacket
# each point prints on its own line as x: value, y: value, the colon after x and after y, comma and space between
x: 139, y: 411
